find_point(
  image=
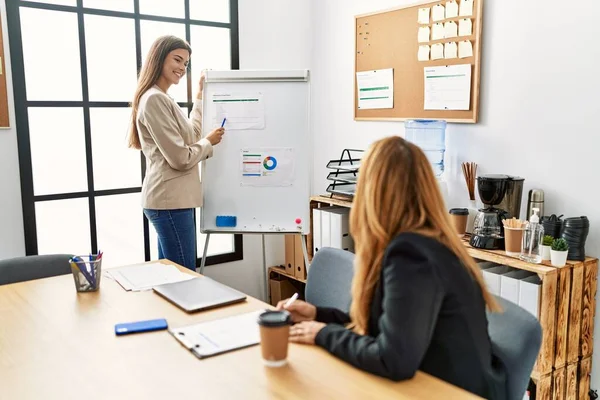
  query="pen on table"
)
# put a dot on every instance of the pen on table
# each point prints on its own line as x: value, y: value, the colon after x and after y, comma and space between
x: 92, y: 271
x: 223, y: 123
x: 291, y: 300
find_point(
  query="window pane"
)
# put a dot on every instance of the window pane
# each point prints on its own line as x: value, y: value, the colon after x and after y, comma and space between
x: 109, y: 130
x: 153, y: 242
x: 211, y: 49
x: 57, y: 150
x: 63, y: 226
x: 116, y: 5
x: 51, y: 54
x: 150, y: 31
x: 218, y: 244
x: 120, y: 229
x: 59, y: 2
x: 210, y: 10
x: 112, y: 70
x: 171, y: 8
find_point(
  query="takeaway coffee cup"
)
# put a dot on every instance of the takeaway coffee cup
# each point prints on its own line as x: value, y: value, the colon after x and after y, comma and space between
x: 274, y: 337
x: 458, y: 217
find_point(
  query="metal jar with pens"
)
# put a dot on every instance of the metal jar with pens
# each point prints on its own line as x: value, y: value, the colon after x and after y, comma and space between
x: 87, y: 272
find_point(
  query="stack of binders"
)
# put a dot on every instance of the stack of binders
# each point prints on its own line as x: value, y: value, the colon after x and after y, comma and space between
x: 518, y: 286
x: 331, y: 228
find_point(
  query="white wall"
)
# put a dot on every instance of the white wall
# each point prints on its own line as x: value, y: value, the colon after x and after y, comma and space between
x: 539, y: 103
x: 274, y: 34
x: 12, y: 242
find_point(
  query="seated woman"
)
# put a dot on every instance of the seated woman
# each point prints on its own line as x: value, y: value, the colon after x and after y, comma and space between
x: 418, y: 299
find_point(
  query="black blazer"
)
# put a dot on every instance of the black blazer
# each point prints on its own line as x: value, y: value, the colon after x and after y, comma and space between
x: 427, y: 314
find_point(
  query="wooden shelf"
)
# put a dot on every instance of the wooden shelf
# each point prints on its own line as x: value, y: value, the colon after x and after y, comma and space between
x: 281, y: 271
x: 334, y: 201
x: 500, y: 257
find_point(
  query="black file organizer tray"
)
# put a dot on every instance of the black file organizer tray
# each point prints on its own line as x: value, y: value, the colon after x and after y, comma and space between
x: 345, y: 173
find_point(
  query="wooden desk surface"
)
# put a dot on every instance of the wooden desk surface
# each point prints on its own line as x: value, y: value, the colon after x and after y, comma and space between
x: 56, y: 343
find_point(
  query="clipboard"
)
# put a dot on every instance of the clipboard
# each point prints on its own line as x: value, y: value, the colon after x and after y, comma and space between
x: 211, y: 338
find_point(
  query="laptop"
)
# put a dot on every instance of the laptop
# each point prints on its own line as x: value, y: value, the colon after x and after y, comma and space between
x: 199, y: 294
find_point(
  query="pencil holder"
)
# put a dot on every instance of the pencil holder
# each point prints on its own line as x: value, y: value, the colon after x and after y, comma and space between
x: 87, y: 271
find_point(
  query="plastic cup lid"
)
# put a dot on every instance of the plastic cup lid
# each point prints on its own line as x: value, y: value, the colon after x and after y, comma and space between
x: 459, y: 211
x: 275, y: 318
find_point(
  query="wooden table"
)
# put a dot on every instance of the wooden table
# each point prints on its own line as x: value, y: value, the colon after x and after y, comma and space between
x: 55, y: 343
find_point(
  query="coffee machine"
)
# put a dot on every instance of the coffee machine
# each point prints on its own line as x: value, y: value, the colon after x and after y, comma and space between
x: 512, y: 198
x: 488, y: 230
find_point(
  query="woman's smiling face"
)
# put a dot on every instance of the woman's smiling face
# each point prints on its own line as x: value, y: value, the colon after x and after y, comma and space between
x: 175, y: 66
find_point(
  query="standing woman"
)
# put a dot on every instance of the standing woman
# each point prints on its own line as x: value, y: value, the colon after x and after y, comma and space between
x: 173, y: 146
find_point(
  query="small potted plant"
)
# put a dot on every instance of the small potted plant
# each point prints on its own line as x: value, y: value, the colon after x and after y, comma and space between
x: 558, y: 253
x: 546, y: 246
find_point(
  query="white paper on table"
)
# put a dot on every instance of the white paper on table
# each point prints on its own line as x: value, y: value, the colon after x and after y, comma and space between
x: 450, y: 29
x: 465, y: 49
x: 216, y: 336
x: 242, y: 111
x: 423, y: 53
x: 465, y: 27
x: 450, y: 50
x: 375, y: 89
x: 438, y: 13
x: 466, y: 8
x: 451, y: 9
x: 448, y: 87
x: 145, y: 276
x: 437, y: 51
x: 424, y: 16
x: 437, y: 31
x: 267, y: 166
x: 423, y: 36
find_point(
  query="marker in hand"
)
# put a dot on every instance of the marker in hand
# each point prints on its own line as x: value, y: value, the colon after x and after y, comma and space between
x: 291, y: 300
x: 223, y: 123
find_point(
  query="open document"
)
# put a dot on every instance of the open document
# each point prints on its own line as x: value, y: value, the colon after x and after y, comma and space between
x: 239, y: 111
x: 375, y: 89
x: 219, y: 336
x: 448, y: 87
x: 145, y: 276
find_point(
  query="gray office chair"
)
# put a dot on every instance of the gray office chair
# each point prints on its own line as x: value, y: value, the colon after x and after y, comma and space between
x: 28, y: 268
x: 330, y: 278
x: 516, y: 339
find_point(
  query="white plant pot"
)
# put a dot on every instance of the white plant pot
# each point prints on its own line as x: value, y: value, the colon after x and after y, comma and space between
x: 546, y: 252
x: 558, y: 258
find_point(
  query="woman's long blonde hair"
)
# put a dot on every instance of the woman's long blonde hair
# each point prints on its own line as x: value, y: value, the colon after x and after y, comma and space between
x: 397, y: 192
x: 148, y: 77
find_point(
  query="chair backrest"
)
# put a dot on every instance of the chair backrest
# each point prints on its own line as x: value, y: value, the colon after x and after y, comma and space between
x: 516, y: 337
x: 330, y: 278
x: 21, y: 269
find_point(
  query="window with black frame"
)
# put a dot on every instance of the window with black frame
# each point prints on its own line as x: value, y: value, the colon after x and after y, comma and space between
x: 75, y: 66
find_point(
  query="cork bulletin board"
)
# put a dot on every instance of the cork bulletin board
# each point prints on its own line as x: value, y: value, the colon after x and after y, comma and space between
x: 4, y: 120
x: 390, y: 39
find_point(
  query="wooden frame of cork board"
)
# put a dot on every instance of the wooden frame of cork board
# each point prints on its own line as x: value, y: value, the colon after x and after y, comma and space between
x: 388, y: 39
x: 4, y: 117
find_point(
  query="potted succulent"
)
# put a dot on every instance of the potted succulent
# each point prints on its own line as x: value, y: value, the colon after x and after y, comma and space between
x: 546, y: 246
x: 558, y: 253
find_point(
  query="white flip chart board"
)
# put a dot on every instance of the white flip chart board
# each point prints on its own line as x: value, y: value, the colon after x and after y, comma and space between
x: 260, y: 172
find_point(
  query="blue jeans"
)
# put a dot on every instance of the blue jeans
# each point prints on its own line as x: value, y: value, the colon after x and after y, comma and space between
x: 176, y: 235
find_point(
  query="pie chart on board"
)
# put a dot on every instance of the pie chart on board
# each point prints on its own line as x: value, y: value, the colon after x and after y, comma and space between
x: 270, y: 163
